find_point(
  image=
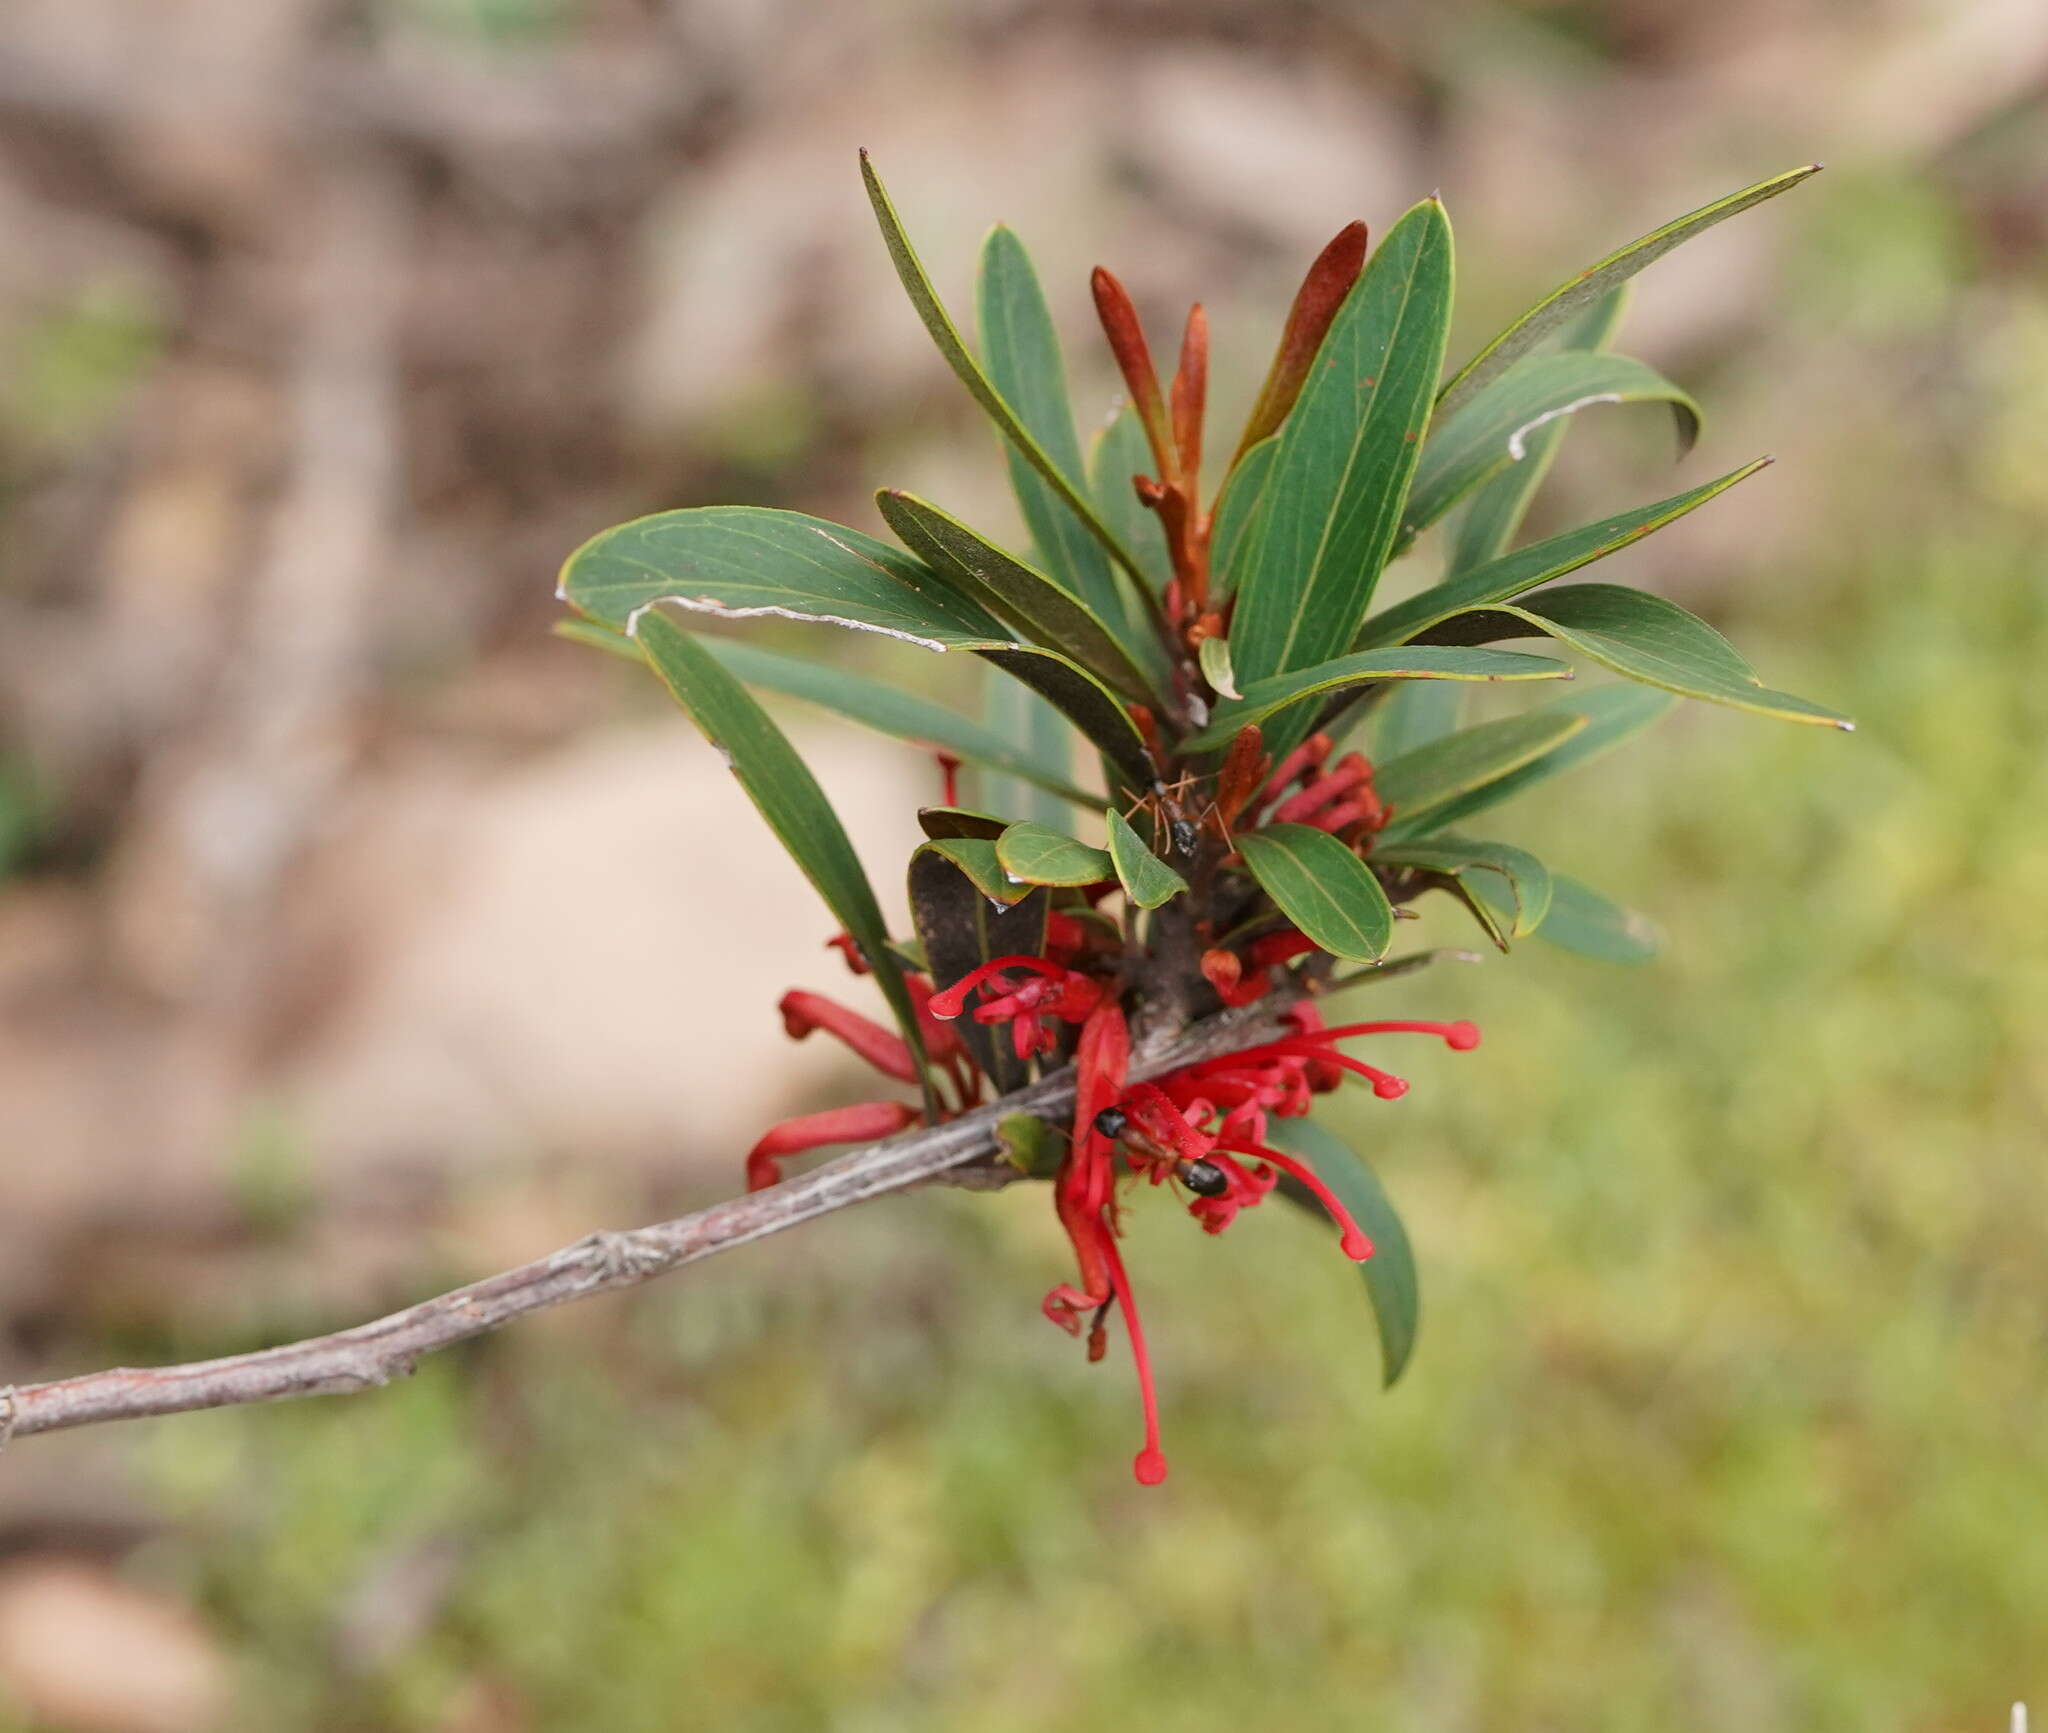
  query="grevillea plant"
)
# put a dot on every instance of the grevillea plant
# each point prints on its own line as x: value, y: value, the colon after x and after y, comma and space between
x: 1276, y: 769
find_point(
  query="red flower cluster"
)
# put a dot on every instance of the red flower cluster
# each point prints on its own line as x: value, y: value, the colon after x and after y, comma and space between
x: 1204, y: 1128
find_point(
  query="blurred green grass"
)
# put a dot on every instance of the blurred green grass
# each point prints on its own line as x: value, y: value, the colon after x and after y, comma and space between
x: 1727, y: 1410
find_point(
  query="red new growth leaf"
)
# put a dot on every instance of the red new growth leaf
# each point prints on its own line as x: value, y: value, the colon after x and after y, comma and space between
x: 1241, y: 774
x: 1322, y: 292
x: 1134, y: 359
x: 1190, y: 394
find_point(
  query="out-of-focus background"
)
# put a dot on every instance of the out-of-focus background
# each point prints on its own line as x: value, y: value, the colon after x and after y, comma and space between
x: 356, y: 937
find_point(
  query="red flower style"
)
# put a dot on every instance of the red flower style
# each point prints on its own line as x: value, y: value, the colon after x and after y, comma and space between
x: 1204, y: 1128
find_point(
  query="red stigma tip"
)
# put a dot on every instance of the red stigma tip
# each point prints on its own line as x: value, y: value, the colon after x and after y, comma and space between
x: 1150, y: 1467
x: 1389, y: 1088
x: 1355, y: 1246
x: 1462, y: 1037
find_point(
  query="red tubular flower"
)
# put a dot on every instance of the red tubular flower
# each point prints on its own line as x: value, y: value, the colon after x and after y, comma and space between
x: 862, y: 1123
x: 886, y: 1052
x: 1224, y: 970
x: 1084, y: 1195
x: 1280, y: 947
x: 1049, y: 992
x: 847, y: 947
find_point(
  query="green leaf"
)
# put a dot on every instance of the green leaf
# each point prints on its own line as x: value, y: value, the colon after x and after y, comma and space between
x: 1034, y: 1147
x: 596, y: 637
x: 1492, y: 430
x: 1613, y: 714
x: 1018, y: 593
x: 976, y: 857
x: 960, y: 929
x: 1333, y: 500
x: 1039, y: 856
x: 943, y: 823
x: 1527, y: 879
x: 1538, y: 563
x: 1085, y: 702
x: 1147, y: 880
x: 1487, y: 524
x: 1390, y: 1278
x: 1120, y: 452
x: 1645, y: 638
x: 1585, y: 923
x: 1322, y: 887
x: 892, y: 710
x: 1040, y: 732
x: 1025, y: 366
x: 786, y: 794
x: 1413, y: 714
x: 1412, y: 662
x: 1577, y: 293
x: 1214, y: 659
x: 1236, y: 510
x: 737, y: 561
x: 1432, y: 776
x: 943, y: 333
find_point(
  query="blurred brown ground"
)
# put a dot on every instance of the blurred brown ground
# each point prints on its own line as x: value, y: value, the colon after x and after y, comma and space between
x: 328, y: 329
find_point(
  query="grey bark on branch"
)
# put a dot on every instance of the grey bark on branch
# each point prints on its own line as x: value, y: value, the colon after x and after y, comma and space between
x: 373, y: 1354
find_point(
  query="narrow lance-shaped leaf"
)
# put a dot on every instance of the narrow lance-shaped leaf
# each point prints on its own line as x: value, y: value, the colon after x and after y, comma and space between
x: 1024, y: 750
x: 1525, y: 878
x: 1333, y: 500
x: 1419, y: 782
x: 1085, y: 702
x: 1236, y: 513
x: 1025, y: 366
x: 738, y: 562
x: 1036, y: 855
x: 1322, y: 887
x: 1539, y: 563
x: 1588, y: 924
x: 1613, y: 714
x: 946, y: 336
x: 895, y: 710
x: 1493, y: 428
x: 1147, y: 880
x: 1579, y: 292
x: 1413, y: 714
x: 1645, y: 638
x: 1487, y: 525
x: 1120, y: 454
x: 1368, y: 667
x: 1316, y: 302
x: 1039, y: 732
x: 787, y: 795
x: 1389, y: 1274
x: 960, y: 929
x: 1007, y: 587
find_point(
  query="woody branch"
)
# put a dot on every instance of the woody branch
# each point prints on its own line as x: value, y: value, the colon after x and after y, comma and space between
x: 373, y: 1354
